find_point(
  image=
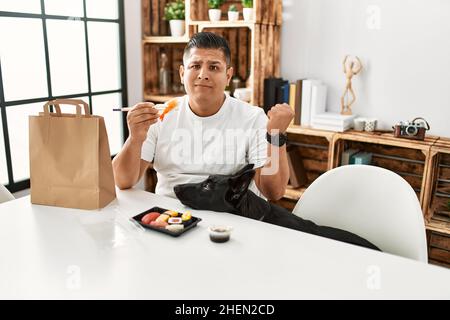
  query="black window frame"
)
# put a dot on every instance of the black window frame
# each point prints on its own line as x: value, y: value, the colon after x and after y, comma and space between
x: 14, y: 186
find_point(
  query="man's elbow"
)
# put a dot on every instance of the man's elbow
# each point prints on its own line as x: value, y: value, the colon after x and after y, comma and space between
x: 122, y: 183
x: 274, y: 195
x: 123, y: 186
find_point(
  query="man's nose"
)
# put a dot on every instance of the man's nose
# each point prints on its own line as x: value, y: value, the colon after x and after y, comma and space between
x: 203, y: 74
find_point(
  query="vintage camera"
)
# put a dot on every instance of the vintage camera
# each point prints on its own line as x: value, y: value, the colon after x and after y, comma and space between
x: 414, y: 129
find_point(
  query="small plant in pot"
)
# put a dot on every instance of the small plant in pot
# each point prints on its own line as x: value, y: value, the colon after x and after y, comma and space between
x: 248, y: 10
x: 174, y: 13
x: 233, y: 13
x: 214, y: 9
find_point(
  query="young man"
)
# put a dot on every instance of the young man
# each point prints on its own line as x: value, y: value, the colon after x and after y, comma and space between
x: 208, y: 133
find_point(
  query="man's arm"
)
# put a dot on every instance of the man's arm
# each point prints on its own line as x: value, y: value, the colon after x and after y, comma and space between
x: 272, y: 179
x: 273, y: 186
x: 128, y: 167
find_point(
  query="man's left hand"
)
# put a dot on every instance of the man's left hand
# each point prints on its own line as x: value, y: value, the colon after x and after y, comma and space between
x: 280, y: 116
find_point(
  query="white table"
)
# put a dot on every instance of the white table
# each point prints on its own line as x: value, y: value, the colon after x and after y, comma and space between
x: 50, y: 252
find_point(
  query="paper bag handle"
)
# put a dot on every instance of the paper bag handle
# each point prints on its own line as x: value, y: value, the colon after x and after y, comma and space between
x: 76, y: 102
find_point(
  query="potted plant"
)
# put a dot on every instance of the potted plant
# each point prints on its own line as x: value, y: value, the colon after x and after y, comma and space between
x: 248, y: 9
x: 214, y: 9
x: 233, y: 13
x: 174, y: 13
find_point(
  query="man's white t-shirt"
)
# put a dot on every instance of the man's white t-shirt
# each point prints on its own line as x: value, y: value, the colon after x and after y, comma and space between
x: 186, y: 148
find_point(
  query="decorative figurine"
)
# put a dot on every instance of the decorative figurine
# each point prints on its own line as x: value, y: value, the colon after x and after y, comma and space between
x: 352, y: 66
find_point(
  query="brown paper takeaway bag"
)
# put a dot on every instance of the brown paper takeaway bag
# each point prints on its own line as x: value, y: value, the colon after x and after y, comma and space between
x: 70, y: 162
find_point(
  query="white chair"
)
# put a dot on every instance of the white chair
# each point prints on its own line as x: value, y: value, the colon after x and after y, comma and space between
x: 375, y: 203
x: 5, y: 195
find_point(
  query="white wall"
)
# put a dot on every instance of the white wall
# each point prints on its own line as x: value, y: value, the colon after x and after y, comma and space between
x: 406, y: 59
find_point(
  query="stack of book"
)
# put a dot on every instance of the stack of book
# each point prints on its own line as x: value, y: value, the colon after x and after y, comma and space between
x: 332, y: 121
x: 308, y: 100
x: 276, y: 90
x: 305, y: 96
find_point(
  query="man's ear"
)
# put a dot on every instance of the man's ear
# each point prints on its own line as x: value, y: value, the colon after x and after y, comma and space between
x: 230, y: 72
x: 181, y: 73
x: 240, y: 183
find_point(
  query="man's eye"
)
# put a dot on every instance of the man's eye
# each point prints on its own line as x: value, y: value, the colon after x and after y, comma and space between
x: 195, y: 66
x: 214, y: 68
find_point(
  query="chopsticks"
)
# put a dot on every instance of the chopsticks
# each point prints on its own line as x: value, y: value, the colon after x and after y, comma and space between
x: 160, y: 107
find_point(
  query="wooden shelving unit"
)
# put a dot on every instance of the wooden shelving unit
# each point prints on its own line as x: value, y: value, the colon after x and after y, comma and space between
x: 254, y: 45
x: 437, y: 203
x: 425, y: 165
x: 408, y: 158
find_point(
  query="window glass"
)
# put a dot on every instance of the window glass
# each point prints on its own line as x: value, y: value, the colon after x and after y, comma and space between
x: 24, y: 72
x: 67, y: 55
x: 104, y: 56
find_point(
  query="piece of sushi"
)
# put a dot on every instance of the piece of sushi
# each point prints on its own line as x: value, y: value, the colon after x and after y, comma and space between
x: 186, y: 216
x: 170, y: 106
x: 159, y: 224
x: 175, y: 220
x: 175, y: 227
x: 149, y: 217
x: 163, y: 217
x: 171, y: 213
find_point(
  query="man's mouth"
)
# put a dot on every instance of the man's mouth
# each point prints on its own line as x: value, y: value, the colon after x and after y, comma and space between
x: 203, y: 86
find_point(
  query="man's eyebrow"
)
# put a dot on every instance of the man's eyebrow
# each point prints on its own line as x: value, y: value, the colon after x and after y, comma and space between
x: 208, y: 62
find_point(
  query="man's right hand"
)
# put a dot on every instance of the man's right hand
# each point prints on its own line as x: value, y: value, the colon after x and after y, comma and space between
x: 139, y: 120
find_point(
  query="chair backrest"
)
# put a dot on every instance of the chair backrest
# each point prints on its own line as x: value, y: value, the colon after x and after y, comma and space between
x: 375, y: 203
x: 5, y: 195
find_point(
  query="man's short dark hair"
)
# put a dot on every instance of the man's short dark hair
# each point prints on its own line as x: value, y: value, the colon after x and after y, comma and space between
x: 208, y: 40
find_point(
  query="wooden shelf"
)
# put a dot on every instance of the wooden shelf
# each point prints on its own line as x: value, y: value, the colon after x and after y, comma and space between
x: 294, y: 193
x: 442, y: 144
x: 387, y: 138
x: 265, y: 11
x: 294, y: 129
x: 160, y: 97
x: 438, y: 226
x: 224, y: 24
x: 165, y: 39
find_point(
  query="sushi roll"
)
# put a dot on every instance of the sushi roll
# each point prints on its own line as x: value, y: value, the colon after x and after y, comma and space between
x: 175, y: 220
x: 175, y: 227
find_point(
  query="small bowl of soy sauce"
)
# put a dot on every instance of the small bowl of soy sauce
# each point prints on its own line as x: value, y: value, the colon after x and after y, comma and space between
x: 219, y: 234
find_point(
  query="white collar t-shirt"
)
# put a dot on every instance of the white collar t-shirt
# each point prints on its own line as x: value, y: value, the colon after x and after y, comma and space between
x: 186, y: 148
